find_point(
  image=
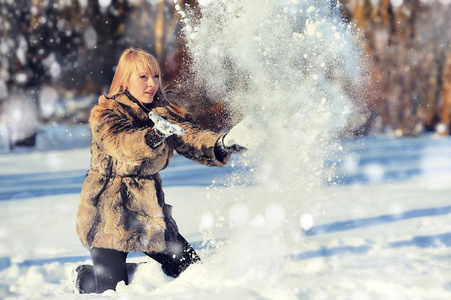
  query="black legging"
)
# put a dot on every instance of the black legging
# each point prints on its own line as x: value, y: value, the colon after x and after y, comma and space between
x: 110, y: 265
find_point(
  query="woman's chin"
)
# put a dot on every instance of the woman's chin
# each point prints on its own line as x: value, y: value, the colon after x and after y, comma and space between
x: 147, y: 100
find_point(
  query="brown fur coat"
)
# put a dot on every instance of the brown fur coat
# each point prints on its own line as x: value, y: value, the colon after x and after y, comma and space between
x: 122, y: 204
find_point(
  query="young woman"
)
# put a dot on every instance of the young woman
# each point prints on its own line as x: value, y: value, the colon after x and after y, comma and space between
x: 122, y: 209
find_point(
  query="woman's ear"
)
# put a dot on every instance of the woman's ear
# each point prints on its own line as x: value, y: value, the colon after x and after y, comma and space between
x: 124, y: 84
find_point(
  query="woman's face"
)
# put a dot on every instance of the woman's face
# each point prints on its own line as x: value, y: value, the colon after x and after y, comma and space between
x: 144, y: 86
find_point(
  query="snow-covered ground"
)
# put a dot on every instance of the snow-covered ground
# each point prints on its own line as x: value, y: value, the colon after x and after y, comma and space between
x: 383, y: 232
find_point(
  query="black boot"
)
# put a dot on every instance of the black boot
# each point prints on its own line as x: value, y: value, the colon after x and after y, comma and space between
x: 85, y: 279
x: 177, y: 257
x: 85, y: 282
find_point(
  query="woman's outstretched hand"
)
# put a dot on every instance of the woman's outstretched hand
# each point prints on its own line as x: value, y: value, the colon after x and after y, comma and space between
x: 245, y: 135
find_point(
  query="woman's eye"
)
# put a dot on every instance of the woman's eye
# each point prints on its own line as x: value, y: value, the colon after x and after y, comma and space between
x: 156, y: 76
x: 143, y: 76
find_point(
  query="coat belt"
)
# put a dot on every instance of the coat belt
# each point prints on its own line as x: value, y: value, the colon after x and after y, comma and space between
x: 138, y: 176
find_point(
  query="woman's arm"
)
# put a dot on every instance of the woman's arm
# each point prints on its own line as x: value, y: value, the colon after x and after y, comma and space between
x: 196, y: 143
x: 200, y: 145
x: 120, y: 137
x: 245, y: 135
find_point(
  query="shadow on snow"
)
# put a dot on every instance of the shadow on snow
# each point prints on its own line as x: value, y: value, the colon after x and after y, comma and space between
x: 373, y: 221
x: 431, y: 241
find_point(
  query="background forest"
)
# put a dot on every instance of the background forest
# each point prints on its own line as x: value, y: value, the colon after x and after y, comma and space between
x: 57, y: 56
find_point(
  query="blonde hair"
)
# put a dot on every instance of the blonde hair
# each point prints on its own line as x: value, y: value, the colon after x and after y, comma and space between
x: 133, y: 61
x: 139, y: 61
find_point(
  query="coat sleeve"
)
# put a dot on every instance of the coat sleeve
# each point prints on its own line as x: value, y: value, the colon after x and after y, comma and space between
x: 121, y: 138
x: 198, y: 144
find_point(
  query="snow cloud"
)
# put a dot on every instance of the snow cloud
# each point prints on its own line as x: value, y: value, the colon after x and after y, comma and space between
x: 292, y: 66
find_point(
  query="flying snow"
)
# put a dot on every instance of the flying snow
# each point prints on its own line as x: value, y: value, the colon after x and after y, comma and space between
x: 292, y: 66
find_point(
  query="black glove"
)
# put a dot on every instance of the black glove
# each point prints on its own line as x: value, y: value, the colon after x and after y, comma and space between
x: 228, y: 149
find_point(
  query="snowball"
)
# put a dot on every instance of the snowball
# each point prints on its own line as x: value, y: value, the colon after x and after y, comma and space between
x: 306, y: 221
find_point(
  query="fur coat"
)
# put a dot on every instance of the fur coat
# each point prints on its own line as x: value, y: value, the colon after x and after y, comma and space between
x: 122, y: 204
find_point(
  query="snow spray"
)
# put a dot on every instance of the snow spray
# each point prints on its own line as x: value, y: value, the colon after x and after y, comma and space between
x: 293, y: 65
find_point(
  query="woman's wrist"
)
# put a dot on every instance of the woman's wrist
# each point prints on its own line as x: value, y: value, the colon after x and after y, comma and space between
x: 220, y: 150
x: 228, y: 149
x: 154, y: 138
